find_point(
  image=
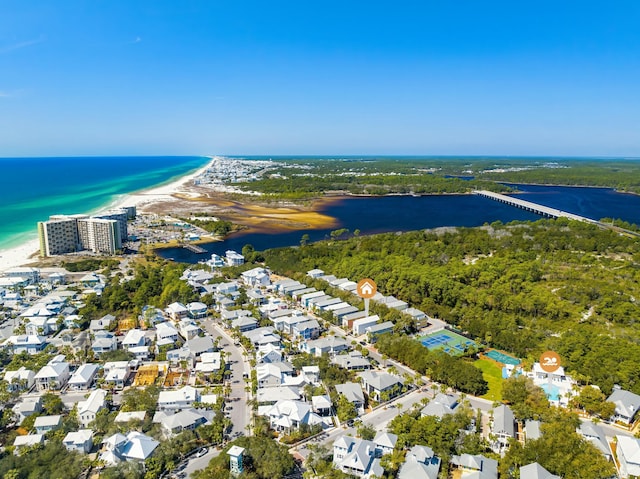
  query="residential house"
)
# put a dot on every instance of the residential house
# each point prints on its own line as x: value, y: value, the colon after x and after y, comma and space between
x: 273, y: 394
x: 29, y: 440
x: 356, y: 457
x: 385, y: 443
x: 166, y: 333
x: 627, y: 405
x: 306, y: 330
x: 532, y: 430
x: 286, y: 415
x: 178, y: 399
x: 353, y: 393
x: 188, y: 329
x: 233, y: 258
x: 116, y: 373
x: 339, y: 314
x: 475, y: 467
x: 126, y: 416
x: 321, y: 405
x: 536, y: 471
x: 199, y: 345
x: 348, y: 319
x: 177, y: 311
x: 209, y: 363
x: 256, y: 298
x: 269, y: 353
x: 27, y: 407
x: 104, y: 342
x: 182, y: 356
x: 83, y: 377
x: 227, y: 288
x: 27, y: 343
x: 244, y: 323
x: 185, y: 420
x: 503, y: 427
x: 360, y: 325
x: 272, y: 374
x: 256, y: 277
x: 311, y: 374
x: 328, y: 345
x: 89, y: 408
x: 628, y: 452
x: 315, y: 273
x: 101, y: 324
x: 377, y: 329
x: 79, y: 441
x: 197, y: 310
x: 21, y: 380
x: 441, y: 405
x: 352, y: 361
x: 134, y: 338
x: 420, y: 463
x: 263, y: 336
x: 44, y: 424
x: 54, y: 375
x: 595, y: 435
x: 381, y: 386
x: 135, y: 446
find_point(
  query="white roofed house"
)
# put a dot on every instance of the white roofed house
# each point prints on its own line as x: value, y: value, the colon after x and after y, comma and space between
x: 244, y: 323
x: 381, y: 387
x: 27, y: 343
x: 89, y: 408
x: 309, y: 329
x: 103, y: 343
x: 503, y: 427
x: 595, y: 435
x: 102, y: 323
x: 356, y: 457
x: 44, y: 424
x: 536, y: 471
x: 209, y: 363
x: 27, y: 407
x: 80, y: 441
x: 269, y: 353
x: 21, y: 380
x: 199, y: 345
x: 185, y: 420
x: 286, y: 415
x: 321, y: 405
x: 182, y: 356
x: 353, y: 393
x: 188, y: 329
x: 628, y: 453
x: 29, y: 440
x: 385, y: 443
x: 256, y: 277
x: 441, y: 405
x: 135, y: 446
x: 272, y: 374
x: 134, y: 338
x: 352, y: 361
x: 116, y: 373
x: 54, y: 375
x: 83, y: 377
x: 177, y: 311
x: 197, y: 310
x: 328, y: 345
x: 627, y: 405
x: 178, y: 399
x: 166, y: 333
x: 475, y: 467
x: 420, y: 463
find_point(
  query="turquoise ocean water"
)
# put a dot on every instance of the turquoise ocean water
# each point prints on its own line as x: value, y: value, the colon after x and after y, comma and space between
x: 32, y: 189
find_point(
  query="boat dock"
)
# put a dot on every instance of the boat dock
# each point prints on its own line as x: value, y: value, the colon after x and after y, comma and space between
x: 195, y: 249
x: 533, y: 207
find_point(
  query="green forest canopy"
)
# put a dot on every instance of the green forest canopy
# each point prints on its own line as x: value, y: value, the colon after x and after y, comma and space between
x: 521, y: 287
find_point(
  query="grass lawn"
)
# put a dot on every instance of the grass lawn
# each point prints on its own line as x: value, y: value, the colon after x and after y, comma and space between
x: 491, y: 373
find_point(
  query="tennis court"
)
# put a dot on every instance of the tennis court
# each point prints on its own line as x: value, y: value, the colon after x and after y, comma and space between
x: 502, y: 357
x: 447, y: 341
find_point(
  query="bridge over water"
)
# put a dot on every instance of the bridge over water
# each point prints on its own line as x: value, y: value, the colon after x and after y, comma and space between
x: 533, y: 207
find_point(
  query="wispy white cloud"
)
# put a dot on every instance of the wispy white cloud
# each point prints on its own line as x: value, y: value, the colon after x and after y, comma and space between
x: 137, y: 40
x: 20, y: 45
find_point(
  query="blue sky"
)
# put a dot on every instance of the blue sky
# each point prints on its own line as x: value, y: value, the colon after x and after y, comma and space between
x: 427, y: 77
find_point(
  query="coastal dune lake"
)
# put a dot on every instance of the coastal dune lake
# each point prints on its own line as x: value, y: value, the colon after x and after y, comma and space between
x: 373, y: 215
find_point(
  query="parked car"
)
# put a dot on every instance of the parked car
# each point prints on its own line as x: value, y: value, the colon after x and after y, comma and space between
x: 202, y: 451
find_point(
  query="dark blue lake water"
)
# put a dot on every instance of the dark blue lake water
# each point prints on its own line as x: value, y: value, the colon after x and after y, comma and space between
x: 405, y: 213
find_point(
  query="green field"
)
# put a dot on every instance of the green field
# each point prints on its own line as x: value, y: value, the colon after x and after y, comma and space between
x: 493, y: 375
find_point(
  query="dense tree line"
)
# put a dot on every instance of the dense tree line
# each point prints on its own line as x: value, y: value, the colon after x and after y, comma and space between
x: 154, y: 283
x: 521, y: 287
x: 439, y: 366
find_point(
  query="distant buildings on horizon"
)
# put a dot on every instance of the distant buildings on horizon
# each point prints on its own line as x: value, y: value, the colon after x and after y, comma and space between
x: 102, y: 233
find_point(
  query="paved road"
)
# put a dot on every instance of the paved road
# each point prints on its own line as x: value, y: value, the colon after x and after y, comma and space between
x: 236, y: 404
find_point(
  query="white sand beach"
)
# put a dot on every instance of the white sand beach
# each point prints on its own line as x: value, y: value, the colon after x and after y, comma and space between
x: 21, y: 255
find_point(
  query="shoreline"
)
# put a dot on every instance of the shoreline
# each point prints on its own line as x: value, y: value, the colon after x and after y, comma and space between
x: 28, y: 251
